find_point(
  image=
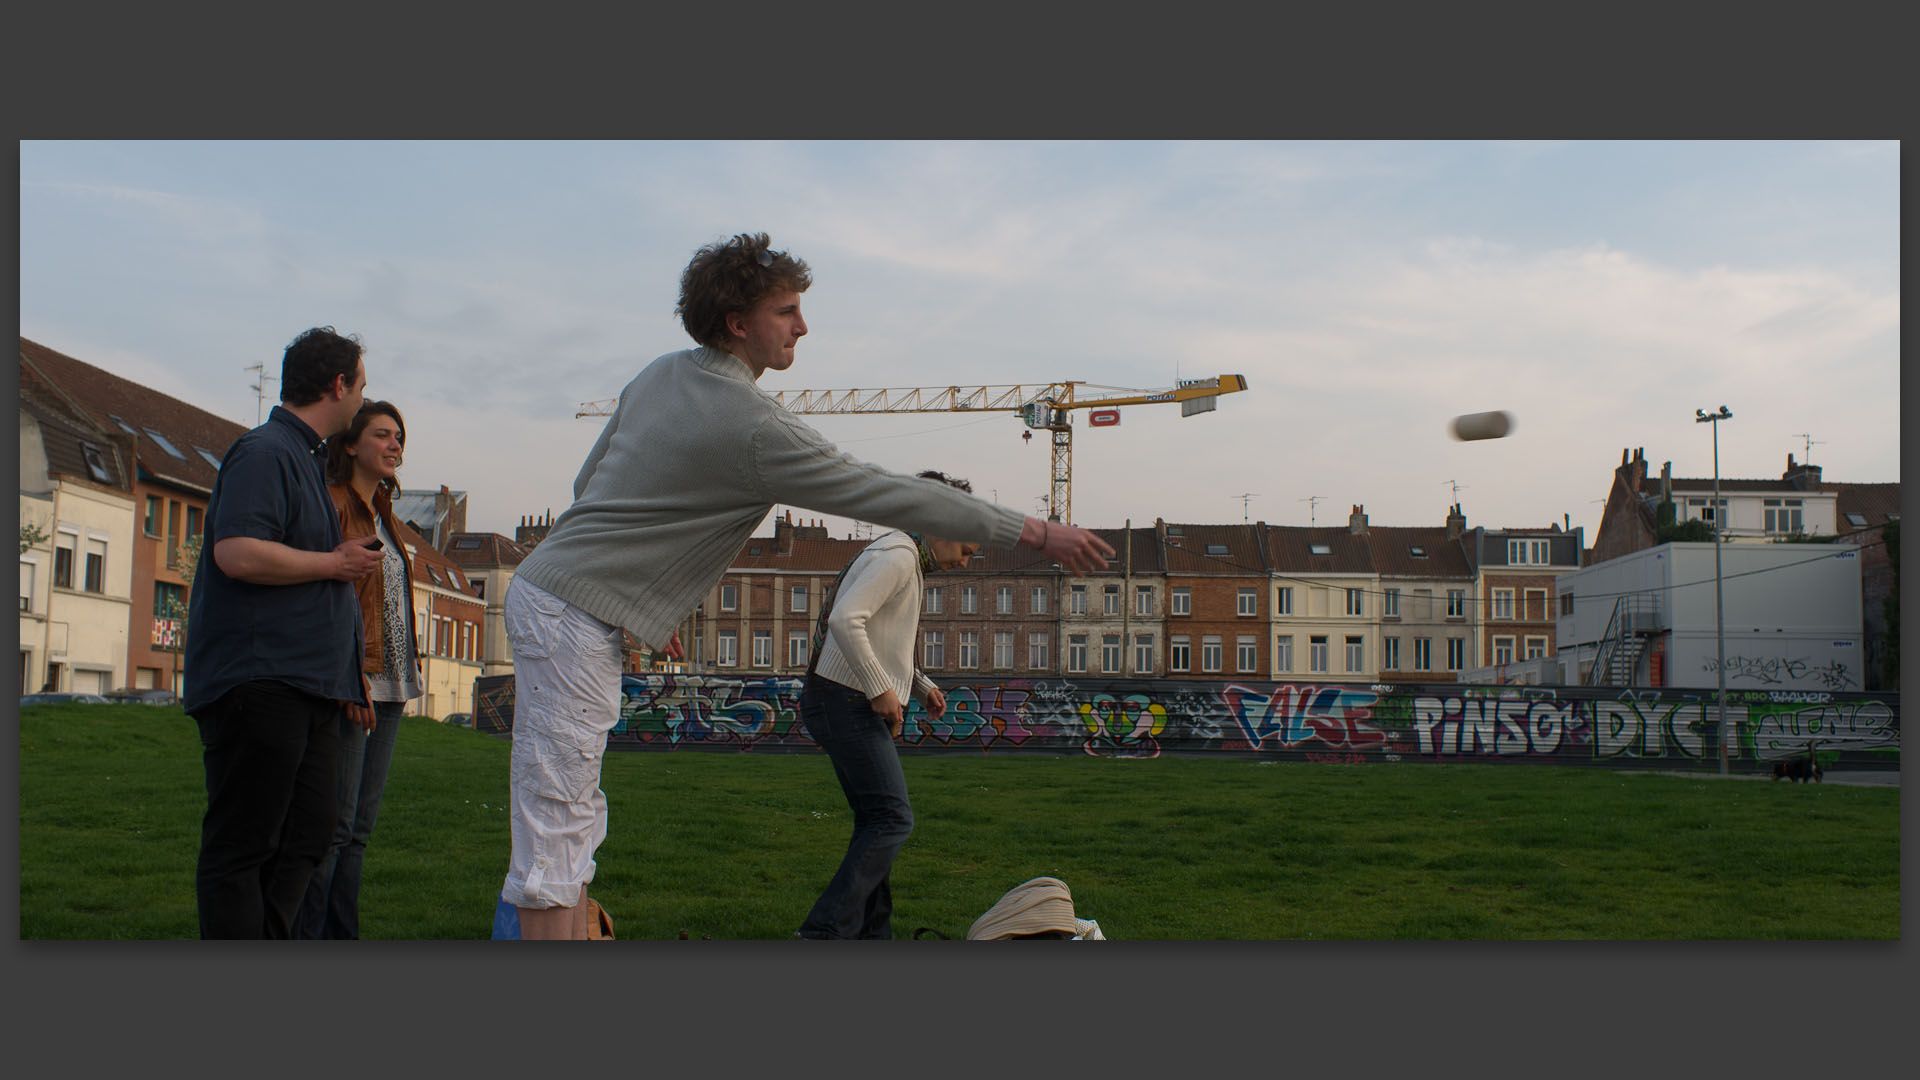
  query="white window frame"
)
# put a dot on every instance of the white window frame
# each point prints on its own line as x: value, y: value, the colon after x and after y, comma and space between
x: 1503, y: 604
x: 1246, y: 653
x: 1037, y: 656
x: 969, y: 600
x: 1423, y: 654
x: 1076, y: 654
x: 1317, y: 659
x: 1179, y: 653
x: 1037, y: 601
x: 1143, y: 599
x: 969, y: 650
x: 798, y: 643
x: 1456, y: 603
x: 1503, y: 650
x: 1535, y: 647
x: 1355, y: 604
x: 729, y: 596
x: 1246, y: 602
x: 1110, y: 600
x: 1143, y: 654
x: 1390, y: 604
x: 726, y: 651
x: 797, y: 598
x: 1283, y: 652
x: 1211, y: 653
x: 1003, y: 650
x: 1390, y: 653
x: 935, y: 601
x: 933, y: 649
x: 1456, y: 653
x: 1110, y: 654
x: 1356, y: 650
x: 1076, y: 599
x: 1003, y: 600
x: 763, y: 648
x: 1182, y: 603
x: 1283, y: 600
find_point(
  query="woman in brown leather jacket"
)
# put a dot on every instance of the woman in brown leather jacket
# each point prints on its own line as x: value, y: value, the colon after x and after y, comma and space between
x: 361, y: 464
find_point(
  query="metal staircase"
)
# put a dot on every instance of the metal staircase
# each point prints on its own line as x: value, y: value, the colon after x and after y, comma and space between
x: 1635, y: 619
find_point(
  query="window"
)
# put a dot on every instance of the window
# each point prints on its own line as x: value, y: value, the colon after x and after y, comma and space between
x: 1110, y: 600
x: 1143, y: 599
x: 1703, y: 508
x: 1390, y: 604
x: 729, y: 598
x: 1566, y: 603
x: 1283, y: 652
x: 1456, y: 653
x: 1422, y: 654
x: 1503, y: 603
x: 1182, y: 601
x: 1353, y: 602
x: 1390, y: 654
x: 934, y: 649
x: 1037, y: 650
x: 1245, y: 656
x: 763, y: 648
x: 1317, y: 653
x: 96, y: 565
x: 1520, y: 552
x: 173, y: 534
x: 1858, y: 521
x: 1536, y: 604
x: 1037, y: 604
x: 1536, y: 646
x: 161, y: 441
x: 797, y: 598
x: 1245, y: 602
x: 728, y: 653
x: 969, y: 649
x: 1003, y: 600
x: 1179, y: 653
x: 27, y: 571
x: 1783, y: 515
x: 1502, y: 650
x: 208, y: 456
x: 96, y: 463
x: 1210, y: 652
x: 1320, y: 549
x: 969, y: 600
x: 152, y: 526
x: 64, y: 544
x: 1417, y: 551
x: 1003, y: 649
x: 1457, y: 603
x: 1216, y: 549
x: 1143, y: 654
x: 1077, y: 600
x: 1076, y: 652
x: 1110, y: 654
x: 797, y: 649
x: 936, y: 600
x: 1356, y: 654
x: 1283, y: 600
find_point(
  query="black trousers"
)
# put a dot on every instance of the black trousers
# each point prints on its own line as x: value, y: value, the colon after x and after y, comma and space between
x: 272, y: 756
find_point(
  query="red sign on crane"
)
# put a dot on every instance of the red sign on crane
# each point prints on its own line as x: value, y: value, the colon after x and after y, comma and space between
x: 1103, y: 417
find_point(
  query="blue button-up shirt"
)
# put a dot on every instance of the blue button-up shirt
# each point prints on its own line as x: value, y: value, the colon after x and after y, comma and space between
x: 272, y: 486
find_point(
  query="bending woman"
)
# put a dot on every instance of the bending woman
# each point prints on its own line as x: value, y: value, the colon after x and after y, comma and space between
x: 854, y: 705
x: 361, y: 467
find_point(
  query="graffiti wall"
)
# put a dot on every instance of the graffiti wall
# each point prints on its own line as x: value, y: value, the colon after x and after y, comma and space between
x: 1668, y: 728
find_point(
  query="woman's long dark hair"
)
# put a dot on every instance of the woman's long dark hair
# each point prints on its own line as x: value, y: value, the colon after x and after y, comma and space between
x: 340, y: 463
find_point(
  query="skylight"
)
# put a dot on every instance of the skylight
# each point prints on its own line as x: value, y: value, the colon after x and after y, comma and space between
x: 1320, y: 549
x: 161, y: 441
x: 1856, y: 520
x: 212, y: 458
x: 1216, y: 549
x: 96, y: 463
x: 124, y: 426
x: 1417, y: 551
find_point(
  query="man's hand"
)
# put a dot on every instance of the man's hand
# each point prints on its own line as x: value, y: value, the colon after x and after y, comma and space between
x: 357, y: 560
x: 887, y: 707
x: 673, y: 649
x: 362, y: 714
x: 936, y: 705
x: 1074, y: 548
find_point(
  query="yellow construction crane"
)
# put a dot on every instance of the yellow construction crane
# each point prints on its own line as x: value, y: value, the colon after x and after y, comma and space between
x: 1041, y: 405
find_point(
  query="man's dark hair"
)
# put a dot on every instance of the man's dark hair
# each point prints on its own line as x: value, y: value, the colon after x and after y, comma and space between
x: 950, y: 481
x: 313, y: 361
x: 340, y: 463
x: 730, y: 276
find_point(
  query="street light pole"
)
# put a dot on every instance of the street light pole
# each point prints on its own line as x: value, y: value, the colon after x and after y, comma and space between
x: 1701, y: 416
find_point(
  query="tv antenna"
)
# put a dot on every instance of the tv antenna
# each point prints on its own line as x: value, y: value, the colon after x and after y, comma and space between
x: 1243, y: 497
x: 259, y: 390
x: 1311, y: 501
x: 1456, y: 486
x: 1806, y: 455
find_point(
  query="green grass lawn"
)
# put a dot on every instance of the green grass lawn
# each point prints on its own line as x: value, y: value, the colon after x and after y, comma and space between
x: 736, y: 846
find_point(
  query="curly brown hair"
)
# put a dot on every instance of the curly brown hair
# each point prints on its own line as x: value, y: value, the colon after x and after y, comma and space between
x: 730, y: 276
x: 950, y: 481
x: 340, y: 463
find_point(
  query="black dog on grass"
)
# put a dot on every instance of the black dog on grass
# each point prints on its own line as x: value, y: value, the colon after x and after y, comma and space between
x: 1798, y: 769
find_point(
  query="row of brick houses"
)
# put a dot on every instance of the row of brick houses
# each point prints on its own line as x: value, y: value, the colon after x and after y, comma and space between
x: 1200, y: 601
x: 114, y: 482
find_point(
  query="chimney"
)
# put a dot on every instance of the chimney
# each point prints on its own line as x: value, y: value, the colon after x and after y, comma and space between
x: 1802, y: 477
x: 783, y: 534
x: 1357, y: 521
x: 1456, y: 522
x: 1666, y: 481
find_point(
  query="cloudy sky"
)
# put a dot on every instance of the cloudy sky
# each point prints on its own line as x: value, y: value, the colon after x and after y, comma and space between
x: 1599, y: 292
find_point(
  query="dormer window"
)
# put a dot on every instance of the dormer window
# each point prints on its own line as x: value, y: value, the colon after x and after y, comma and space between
x: 1320, y: 549
x: 96, y: 463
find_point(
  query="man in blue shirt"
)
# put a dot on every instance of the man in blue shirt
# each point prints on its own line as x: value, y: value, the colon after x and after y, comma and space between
x: 274, y: 647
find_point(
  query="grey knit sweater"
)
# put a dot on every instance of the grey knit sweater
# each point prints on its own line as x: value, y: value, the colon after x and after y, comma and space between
x: 692, y: 460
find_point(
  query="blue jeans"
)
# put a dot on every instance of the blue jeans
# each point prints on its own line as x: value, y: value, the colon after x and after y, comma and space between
x: 331, y: 908
x: 858, y: 902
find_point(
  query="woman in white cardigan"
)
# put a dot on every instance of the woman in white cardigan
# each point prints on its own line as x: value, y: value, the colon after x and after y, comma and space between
x: 854, y: 705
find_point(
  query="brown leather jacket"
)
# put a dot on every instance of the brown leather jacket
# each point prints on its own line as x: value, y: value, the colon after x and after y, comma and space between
x: 356, y: 519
